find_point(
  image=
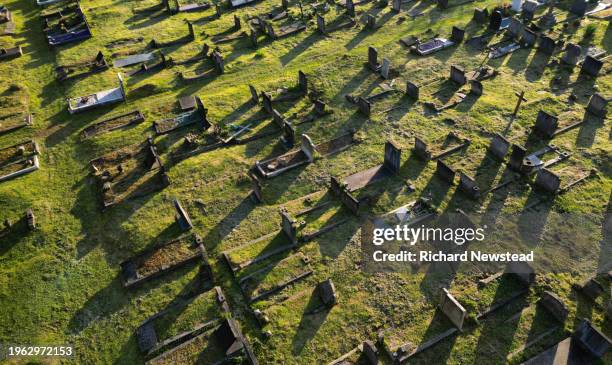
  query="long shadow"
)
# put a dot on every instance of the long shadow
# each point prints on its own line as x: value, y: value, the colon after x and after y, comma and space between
x: 441, y: 352
x: 18, y: 231
x: 232, y: 220
x: 531, y: 222
x: 435, y: 190
x: 300, y: 48
x: 605, y: 247
x: 588, y: 130
x: 309, y: 324
x: 537, y: 66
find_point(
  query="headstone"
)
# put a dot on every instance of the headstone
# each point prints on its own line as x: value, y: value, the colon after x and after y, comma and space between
x: 476, y: 87
x: 591, y: 339
x: 370, y: 21
x: 396, y: 5
x: 319, y: 107
x: 321, y: 24
x: 529, y: 8
x: 529, y: 38
x: 267, y: 102
x: 270, y: 30
x: 412, y: 90
x: 517, y: 5
x: 452, y: 309
x: 609, y: 310
x: 288, y: 134
x: 467, y: 184
x: 350, y: 8
x: 499, y: 147
x: 370, y: 352
x: 256, y: 188
x: 254, y: 95
x: 393, y: 156
x: 182, y: 217
x: 187, y: 102
x: 289, y: 227
x: 373, y: 58
x: 592, y: 289
x: 578, y: 7
x: 253, y: 36
x: 547, y: 180
x: 334, y: 186
x: 228, y: 335
x: 278, y: 118
x: 546, y: 124
x: 218, y: 62
x: 364, y: 106
x: 218, y: 10
x: 303, y: 82
x: 30, y: 219
x: 327, y: 293
x: 237, y: 22
x: 457, y: 75
x: 384, y: 69
x: 442, y: 4
x: 192, y: 34
x: 445, y: 172
x: 554, y: 305
x: 420, y: 148
x: 571, y: 54
x: 547, y: 45
x: 523, y: 271
x: 457, y: 34
x: 591, y: 66
x: 515, y: 29
x: 308, y: 147
x: 495, y: 20
x: 481, y: 16
x: 517, y: 155
x: 285, y: 4
x: 597, y: 105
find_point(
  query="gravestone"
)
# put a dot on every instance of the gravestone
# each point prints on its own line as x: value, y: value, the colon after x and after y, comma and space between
x: 253, y: 36
x: 445, y: 172
x: 529, y: 38
x: 237, y: 24
x: 334, y: 186
x: 591, y: 66
x: 554, y: 305
x: 412, y: 90
x: 597, y: 105
x: 303, y: 82
x: 270, y: 30
x: 370, y: 352
x: 289, y: 227
x: 364, y: 106
x: 384, y: 69
x: 350, y: 8
x: 308, y: 147
x: 517, y: 5
x: 591, y: 339
x: 218, y: 11
x: 370, y: 21
x: 229, y: 337
x: 285, y: 4
x: 547, y: 181
x: 457, y: 75
x: 578, y: 7
x: 373, y: 58
x: 517, y: 155
x: 256, y: 188
x: 182, y: 217
x: 30, y: 219
x: 571, y: 54
x: 529, y: 8
x: 522, y: 270
x: 609, y: 310
x: 547, y: 45
x: 396, y: 5
x: 218, y: 62
x: 499, y: 147
x: 192, y: 34
x: 278, y: 118
x: 327, y: 293
x: 319, y: 107
x: 321, y: 24
x: 546, y: 124
x: 592, y: 289
x: 254, y: 95
x: 452, y: 309
x: 457, y: 34
x: 467, y: 184
x: 393, y: 154
x: 481, y: 16
x: 288, y: 134
x: 495, y: 20
x: 267, y: 102
x: 442, y: 4
x: 476, y: 87
x: 420, y: 148
x: 515, y: 29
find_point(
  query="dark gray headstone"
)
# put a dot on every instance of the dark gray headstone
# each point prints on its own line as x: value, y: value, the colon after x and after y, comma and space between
x: 591, y: 66
x: 499, y: 146
x: 303, y: 82
x: 267, y: 102
x: 571, y: 54
x: 515, y: 29
x: 218, y: 62
x: 289, y: 226
x: 373, y: 58
x: 528, y: 10
x: 578, y: 7
x: 393, y: 155
x: 364, y: 106
x: 182, y: 217
x: 385, y: 68
x: 278, y: 118
x: 442, y: 4
x: 30, y: 219
x: 457, y: 34
x: 597, y: 105
x: 547, y: 181
x: 452, y: 309
x: 327, y: 293
x: 546, y: 124
x: 350, y: 8
x: 517, y: 155
x: 591, y: 339
x: 467, y: 184
x: 476, y: 87
x: 592, y: 289
x: 308, y: 147
x: 554, y: 305
x: 288, y: 134
x: 547, y: 45
x: 319, y: 107
x: 522, y: 270
x: 445, y: 172
x: 421, y: 150
x: 481, y: 16
x: 254, y: 95
x: 412, y: 90
x: 370, y: 21
x: 237, y: 24
x: 529, y: 38
x: 396, y: 5
x: 370, y: 352
x: 495, y: 20
x: 321, y: 24
x: 256, y: 188
x: 457, y: 75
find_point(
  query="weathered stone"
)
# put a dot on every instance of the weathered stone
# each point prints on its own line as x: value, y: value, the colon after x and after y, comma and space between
x: 442, y: 4
x: 499, y: 147
x: 481, y: 15
x: 591, y: 339
x: 370, y: 21
x: 254, y: 95
x: 327, y: 293
x: 457, y: 35
x: 302, y: 82
x: 396, y: 5
x: 591, y: 66
x: 30, y: 219
x: 547, y: 181
x: 578, y: 7
x: 467, y: 184
x: 517, y: 155
x: 364, y: 106
x: 182, y: 217
x: 370, y: 352
x: 529, y: 38
x: 373, y: 58
x: 554, y: 305
x: 475, y: 87
x: 547, y: 45
x: 288, y: 134
x: 457, y: 75
x: 218, y: 62
x: 597, y: 105
x: 528, y: 10
x: 522, y: 270
x: 445, y: 172
x: 384, y: 69
x: 412, y: 90
x: 229, y: 337
x: 319, y: 107
x: 592, y: 289
x: 256, y: 189
x: 421, y: 150
x: 571, y: 54
x: 321, y: 24
x: 546, y: 124
x: 289, y: 226
x: 393, y: 155
x: 278, y: 118
x: 495, y: 20
x: 452, y: 309
x: 267, y: 102
x: 308, y: 147
x: 515, y: 29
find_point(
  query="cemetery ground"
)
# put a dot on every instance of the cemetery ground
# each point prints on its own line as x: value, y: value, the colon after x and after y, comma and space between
x: 62, y: 282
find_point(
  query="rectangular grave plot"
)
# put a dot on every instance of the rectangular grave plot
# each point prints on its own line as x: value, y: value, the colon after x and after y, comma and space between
x: 263, y: 249
x: 367, y: 177
x: 204, y: 347
x: 18, y: 168
x: 12, y: 124
x: 182, y: 120
x: 336, y: 145
x: 17, y: 152
x: 161, y: 259
x: 274, y: 278
x: 282, y: 163
x: 114, y: 123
